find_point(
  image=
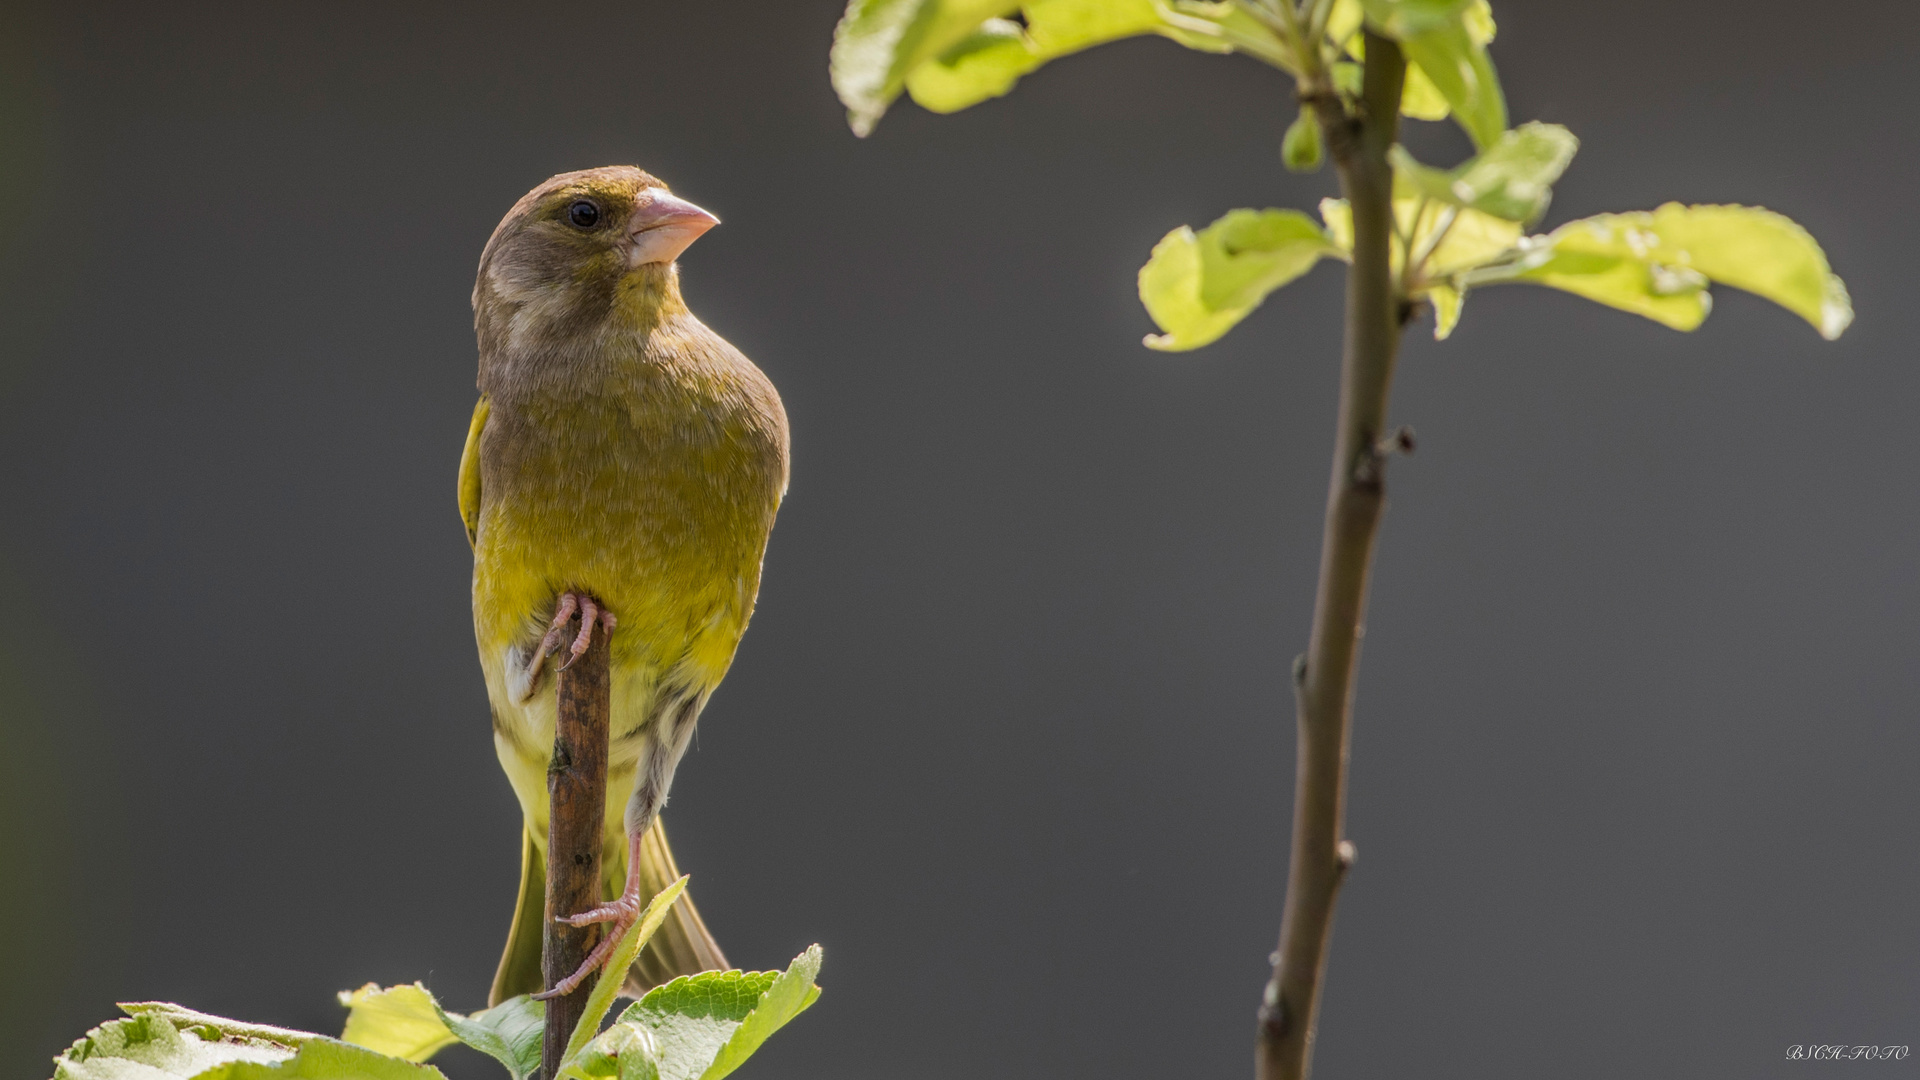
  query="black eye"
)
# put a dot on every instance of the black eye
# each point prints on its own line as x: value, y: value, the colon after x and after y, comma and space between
x: 583, y: 214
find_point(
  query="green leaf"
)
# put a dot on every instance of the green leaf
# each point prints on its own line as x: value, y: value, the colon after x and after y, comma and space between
x: 702, y: 1027
x: 1343, y: 25
x: 401, y: 1021
x: 214, y: 1028
x: 1446, y: 301
x: 790, y: 995
x: 1658, y: 264
x: 1401, y: 19
x: 1059, y: 27
x: 984, y: 65
x: 614, y: 975
x: 1608, y: 259
x: 1421, y: 99
x: 510, y: 1032
x: 1223, y: 27
x: 1765, y: 253
x: 1446, y: 40
x: 408, y: 1022
x: 878, y: 42
x: 623, y: 1051
x: 950, y: 54
x: 1512, y: 179
x: 159, y: 1043
x: 1197, y: 286
x: 146, y: 1047
x: 326, y: 1059
x: 1470, y: 238
x: 1478, y: 19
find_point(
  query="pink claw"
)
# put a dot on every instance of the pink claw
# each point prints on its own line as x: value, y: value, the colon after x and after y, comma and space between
x: 562, y: 615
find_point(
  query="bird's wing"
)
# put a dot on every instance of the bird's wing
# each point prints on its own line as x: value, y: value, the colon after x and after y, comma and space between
x: 470, y: 472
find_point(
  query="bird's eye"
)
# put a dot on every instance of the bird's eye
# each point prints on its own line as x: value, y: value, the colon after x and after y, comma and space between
x: 583, y: 214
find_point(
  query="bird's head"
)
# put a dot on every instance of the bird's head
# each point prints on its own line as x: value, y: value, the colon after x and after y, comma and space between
x: 582, y: 249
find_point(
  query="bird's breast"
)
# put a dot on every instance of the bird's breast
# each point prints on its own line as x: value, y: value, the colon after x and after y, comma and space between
x: 651, y: 485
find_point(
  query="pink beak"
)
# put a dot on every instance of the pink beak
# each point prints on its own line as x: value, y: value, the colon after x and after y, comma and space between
x: 664, y: 226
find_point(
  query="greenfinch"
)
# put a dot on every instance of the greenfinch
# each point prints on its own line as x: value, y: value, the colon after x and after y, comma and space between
x: 623, y: 466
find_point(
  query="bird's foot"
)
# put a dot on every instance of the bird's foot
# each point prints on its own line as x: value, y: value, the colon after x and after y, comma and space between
x: 619, y: 915
x: 591, y: 614
x: 525, y: 677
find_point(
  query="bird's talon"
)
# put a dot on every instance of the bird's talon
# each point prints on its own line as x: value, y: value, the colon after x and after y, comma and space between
x: 591, y: 614
x: 620, y: 915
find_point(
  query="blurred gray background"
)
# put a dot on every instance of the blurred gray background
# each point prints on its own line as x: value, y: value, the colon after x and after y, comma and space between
x: 1634, y: 771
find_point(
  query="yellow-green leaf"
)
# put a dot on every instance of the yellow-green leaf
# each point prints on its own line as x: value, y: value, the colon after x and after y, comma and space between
x: 1765, y: 253
x: 984, y: 65
x: 1059, y: 27
x: 401, y: 1021
x: 1658, y: 264
x: 1583, y: 262
x: 1459, y: 68
x: 1198, y: 285
x: 1401, y: 19
x: 1421, y: 99
x: 1224, y: 26
x: 1471, y: 238
x: 1511, y: 179
x: 1446, y: 301
x: 878, y: 42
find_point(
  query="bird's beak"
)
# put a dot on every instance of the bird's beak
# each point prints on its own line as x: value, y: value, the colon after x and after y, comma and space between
x: 664, y: 226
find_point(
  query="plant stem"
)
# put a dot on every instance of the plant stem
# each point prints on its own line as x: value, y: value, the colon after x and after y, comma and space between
x: 577, y: 785
x: 1324, y: 678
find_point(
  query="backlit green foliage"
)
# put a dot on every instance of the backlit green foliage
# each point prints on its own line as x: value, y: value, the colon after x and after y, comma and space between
x: 1456, y: 229
x: 698, y: 1028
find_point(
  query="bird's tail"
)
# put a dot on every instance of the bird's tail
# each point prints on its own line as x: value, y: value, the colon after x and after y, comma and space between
x: 682, y: 945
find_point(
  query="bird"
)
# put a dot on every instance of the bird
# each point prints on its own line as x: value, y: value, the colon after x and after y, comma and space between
x: 623, y: 466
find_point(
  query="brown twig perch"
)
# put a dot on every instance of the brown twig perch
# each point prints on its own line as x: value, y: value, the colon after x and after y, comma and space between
x: 1324, y: 678
x: 577, y: 785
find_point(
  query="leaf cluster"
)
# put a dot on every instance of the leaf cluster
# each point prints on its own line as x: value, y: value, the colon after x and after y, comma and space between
x: 699, y: 1027
x: 1455, y: 229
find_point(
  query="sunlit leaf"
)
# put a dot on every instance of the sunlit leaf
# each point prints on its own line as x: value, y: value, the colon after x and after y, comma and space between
x: 1224, y: 27
x: 1472, y: 239
x: 1343, y: 23
x: 1584, y: 258
x: 790, y: 995
x: 1401, y: 19
x: 1469, y: 239
x: 878, y: 42
x: 1658, y: 264
x: 1446, y: 301
x: 213, y: 1028
x: 1338, y: 218
x: 1446, y: 40
x: 1765, y: 253
x: 704, y: 1026
x: 510, y: 1033
x: 614, y: 975
x: 326, y: 1059
x: 622, y: 1052
x: 1421, y: 99
x: 1478, y: 18
x: 156, y: 1044
x: 1198, y: 285
x: 1059, y: 27
x: 1511, y: 179
x: 400, y: 1021
x: 985, y: 64
x: 150, y: 1047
